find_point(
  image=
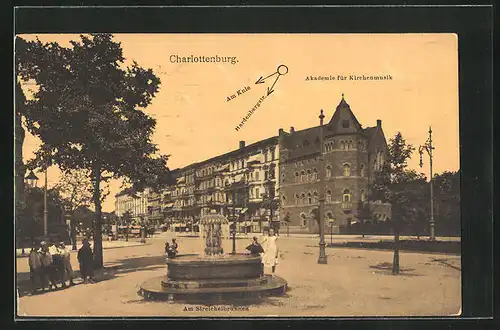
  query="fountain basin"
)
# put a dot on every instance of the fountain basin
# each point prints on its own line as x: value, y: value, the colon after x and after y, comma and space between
x: 220, y: 267
x: 213, y: 278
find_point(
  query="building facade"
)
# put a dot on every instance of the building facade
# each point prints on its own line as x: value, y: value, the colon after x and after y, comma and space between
x: 136, y: 203
x: 352, y: 154
x: 264, y: 183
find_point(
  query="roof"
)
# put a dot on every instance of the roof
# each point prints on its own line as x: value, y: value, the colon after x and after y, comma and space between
x: 269, y: 141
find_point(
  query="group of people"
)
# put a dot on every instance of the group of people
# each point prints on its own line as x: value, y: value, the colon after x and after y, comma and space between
x: 268, y: 250
x: 171, y: 250
x: 50, y: 264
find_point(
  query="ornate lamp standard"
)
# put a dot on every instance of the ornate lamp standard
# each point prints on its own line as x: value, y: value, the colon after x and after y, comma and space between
x: 322, y: 255
x: 429, y: 148
x: 31, y: 180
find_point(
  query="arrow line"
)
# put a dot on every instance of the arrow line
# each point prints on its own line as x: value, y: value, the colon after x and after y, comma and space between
x: 261, y: 80
x: 270, y: 90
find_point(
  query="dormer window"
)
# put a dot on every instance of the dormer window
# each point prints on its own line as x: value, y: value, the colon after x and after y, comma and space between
x: 345, y: 123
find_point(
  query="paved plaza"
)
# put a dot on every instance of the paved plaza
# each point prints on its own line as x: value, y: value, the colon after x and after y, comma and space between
x: 355, y: 282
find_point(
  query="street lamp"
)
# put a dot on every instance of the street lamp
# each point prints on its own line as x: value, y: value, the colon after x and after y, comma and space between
x: 322, y: 255
x: 32, y: 179
x: 331, y: 222
x: 429, y: 148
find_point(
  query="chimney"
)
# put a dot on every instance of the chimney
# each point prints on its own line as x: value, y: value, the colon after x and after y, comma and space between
x: 379, y: 123
x: 281, y: 131
x: 242, y: 144
x: 292, y: 130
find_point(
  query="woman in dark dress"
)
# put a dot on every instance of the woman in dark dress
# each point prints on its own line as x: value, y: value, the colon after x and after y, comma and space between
x: 86, y: 260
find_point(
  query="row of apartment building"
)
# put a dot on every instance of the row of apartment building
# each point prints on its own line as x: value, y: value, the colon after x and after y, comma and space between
x: 275, y: 179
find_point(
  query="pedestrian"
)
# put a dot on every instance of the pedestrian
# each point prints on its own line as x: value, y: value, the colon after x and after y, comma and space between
x: 86, y: 260
x: 47, y: 268
x: 35, y: 263
x: 66, y: 259
x: 270, y: 257
x: 57, y: 263
x: 255, y: 248
x: 174, y: 245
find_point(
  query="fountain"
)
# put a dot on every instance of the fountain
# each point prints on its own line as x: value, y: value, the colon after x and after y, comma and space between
x: 214, y: 275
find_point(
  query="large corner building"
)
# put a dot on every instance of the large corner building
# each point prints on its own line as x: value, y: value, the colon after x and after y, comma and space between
x: 276, y: 180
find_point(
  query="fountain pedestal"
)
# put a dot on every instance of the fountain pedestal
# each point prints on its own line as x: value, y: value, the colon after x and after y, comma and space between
x: 214, y: 276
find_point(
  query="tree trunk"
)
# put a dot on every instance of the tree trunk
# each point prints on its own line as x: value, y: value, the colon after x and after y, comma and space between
x: 395, y: 262
x: 98, y: 260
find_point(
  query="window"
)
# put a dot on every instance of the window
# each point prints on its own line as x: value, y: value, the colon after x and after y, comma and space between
x: 362, y: 170
x: 328, y: 196
x: 309, y: 175
x: 315, y: 197
x: 257, y: 195
x: 315, y: 174
x: 309, y: 198
x: 297, y: 176
x: 284, y: 199
x: 346, y: 197
x: 242, y: 163
x: 265, y: 156
x: 345, y: 123
x: 257, y: 175
x: 297, y: 198
x: 272, y: 154
x: 347, y: 170
x: 302, y: 176
x: 349, y: 144
x: 266, y: 175
x: 342, y: 145
x: 303, y: 198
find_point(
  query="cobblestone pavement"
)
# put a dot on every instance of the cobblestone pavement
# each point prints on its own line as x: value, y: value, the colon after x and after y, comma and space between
x: 354, y: 283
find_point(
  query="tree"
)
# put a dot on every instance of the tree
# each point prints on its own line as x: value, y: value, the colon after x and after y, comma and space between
x: 33, y: 213
x: 88, y: 114
x: 447, y: 202
x: 76, y: 189
x: 400, y: 187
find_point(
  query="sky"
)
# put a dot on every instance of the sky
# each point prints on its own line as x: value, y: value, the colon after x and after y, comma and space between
x: 196, y: 122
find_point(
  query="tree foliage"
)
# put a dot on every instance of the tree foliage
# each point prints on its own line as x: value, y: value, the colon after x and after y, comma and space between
x: 88, y: 114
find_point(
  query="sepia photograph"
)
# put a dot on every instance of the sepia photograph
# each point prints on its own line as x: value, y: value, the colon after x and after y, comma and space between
x: 237, y: 175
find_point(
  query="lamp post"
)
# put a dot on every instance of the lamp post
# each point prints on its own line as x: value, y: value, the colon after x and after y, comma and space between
x: 322, y: 255
x: 331, y: 222
x: 234, y: 215
x: 429, y: 149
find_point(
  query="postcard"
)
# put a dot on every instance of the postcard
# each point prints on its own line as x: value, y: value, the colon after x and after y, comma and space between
x: 237, y: 175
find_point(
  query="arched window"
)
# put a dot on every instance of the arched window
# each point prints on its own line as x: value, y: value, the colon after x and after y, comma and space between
x: 315, y: 174
x: 328, y: 196
x: 363, y: 196
x: 297, y: 176
x: 328, y: 171
x: 346, y: 196
x: 315, y: 197
x: 297, y: 198
x: 284, y: 199
x: 303, y: 198
x: 309, y: 198
x: 342, y: 145
x: 309, y: 175
x: 302, y: 176
x: 362, y: 170
x: 349, y: 144
x: 347, y: 170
